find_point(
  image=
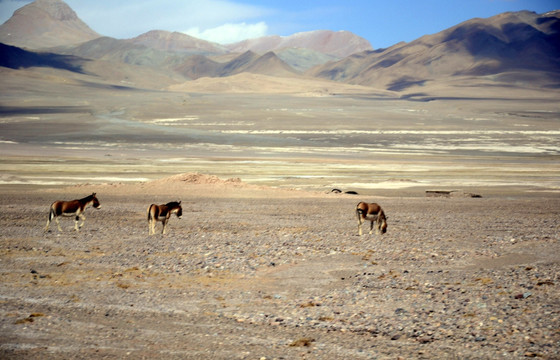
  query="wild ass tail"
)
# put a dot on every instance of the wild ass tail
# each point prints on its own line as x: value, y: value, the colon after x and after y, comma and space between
x: 50, y: 217
x: 149, y: 212
x: 359, y: 210
x: 52, y: 213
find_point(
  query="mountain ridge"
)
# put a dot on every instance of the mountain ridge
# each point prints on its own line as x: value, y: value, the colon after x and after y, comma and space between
x: 55, y: 24
x: 334, y: 43
x: 510, y: 48
x: 522, y: 41
x: 177, y: 42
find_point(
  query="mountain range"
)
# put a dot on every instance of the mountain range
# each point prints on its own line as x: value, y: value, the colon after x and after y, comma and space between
x: 507, y: 45
x: 512, y: 48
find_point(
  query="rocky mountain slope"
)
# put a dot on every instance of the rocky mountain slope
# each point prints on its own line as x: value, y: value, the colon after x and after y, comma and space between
x: 510, y: 49
x: 56, y: 27
x: 509, y: 45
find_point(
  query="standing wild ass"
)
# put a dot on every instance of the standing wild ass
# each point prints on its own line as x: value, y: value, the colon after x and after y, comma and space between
x: 71, y: 208
x: 371, y: 212
x: 162, y: 213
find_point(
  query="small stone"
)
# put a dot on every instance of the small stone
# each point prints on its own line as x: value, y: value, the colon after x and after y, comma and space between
x: 523, y: 296
x: 400, y: 311
x: 302, y: 342
x: 425, y: 340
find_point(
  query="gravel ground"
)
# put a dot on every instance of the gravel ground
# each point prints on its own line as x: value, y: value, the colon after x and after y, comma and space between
x: 251, y: 273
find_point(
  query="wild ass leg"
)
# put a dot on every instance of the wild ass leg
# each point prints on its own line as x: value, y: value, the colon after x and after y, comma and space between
x: 359, y: 224
x: 58, y: 224
x: 76, y: 221
x: 83, y: 219
x: 371, y: 227
x: 152, y: 226
x: 48, y: 222
x: 52, y: 216
x: 163, y: 229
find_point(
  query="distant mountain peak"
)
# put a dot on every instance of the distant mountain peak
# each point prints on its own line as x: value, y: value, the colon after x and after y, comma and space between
x: 335, y: 43
x: 44, y: 24
x: 178, y: 42
x: 58, y: 9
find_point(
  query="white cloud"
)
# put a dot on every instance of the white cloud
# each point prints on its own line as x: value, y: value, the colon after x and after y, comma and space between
x: 230, y: 33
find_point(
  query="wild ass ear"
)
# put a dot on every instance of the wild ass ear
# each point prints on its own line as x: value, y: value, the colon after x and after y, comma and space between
x: 93, y: 194
x: 179, y: 202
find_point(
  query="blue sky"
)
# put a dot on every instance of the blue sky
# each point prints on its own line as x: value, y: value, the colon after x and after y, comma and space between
x: 382, y: 22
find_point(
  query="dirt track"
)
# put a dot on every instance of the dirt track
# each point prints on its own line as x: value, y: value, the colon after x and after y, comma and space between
x: 252, y: 273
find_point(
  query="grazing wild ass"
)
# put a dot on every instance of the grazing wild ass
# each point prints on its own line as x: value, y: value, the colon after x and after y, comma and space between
x: 162, y: 213
x: 371, y: 212
x: 71, y: 208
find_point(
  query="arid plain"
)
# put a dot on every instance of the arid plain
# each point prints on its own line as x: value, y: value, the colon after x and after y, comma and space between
x: 266, y: 262
x: 298, y: 132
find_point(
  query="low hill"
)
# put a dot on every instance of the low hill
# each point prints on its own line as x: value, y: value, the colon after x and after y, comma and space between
x: 263, y: 84
x: 196, y: 67
x: 302, y: 59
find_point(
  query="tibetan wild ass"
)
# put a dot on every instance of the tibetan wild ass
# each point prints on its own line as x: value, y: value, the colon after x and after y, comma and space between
x: 371, y: 212
x: 71, y: 208
x: 162, y: 213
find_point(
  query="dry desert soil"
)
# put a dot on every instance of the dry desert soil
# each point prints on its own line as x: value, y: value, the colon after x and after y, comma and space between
x: 253, y: 272
x: 271, y: 266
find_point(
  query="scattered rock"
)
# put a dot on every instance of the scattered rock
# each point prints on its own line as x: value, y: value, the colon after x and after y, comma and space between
x: 451, y: 193
x: 251, y: 274
x: 303, y: 342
